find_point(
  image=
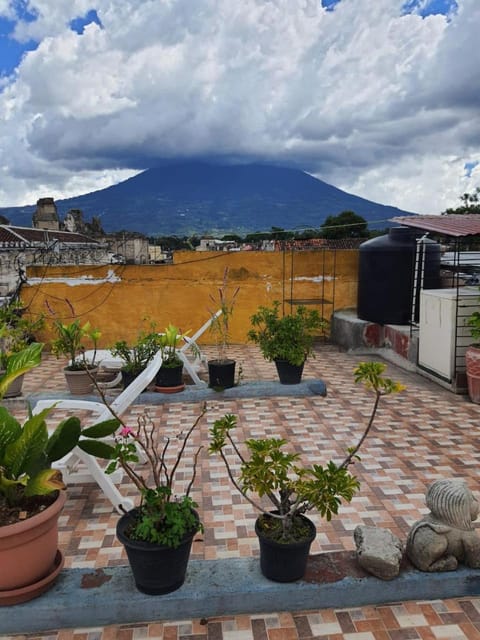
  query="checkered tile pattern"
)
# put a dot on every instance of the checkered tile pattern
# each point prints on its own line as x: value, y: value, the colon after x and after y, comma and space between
x: 420, y: 435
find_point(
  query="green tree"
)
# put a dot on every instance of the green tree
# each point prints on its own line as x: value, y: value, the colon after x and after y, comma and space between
x: 346, y: 225
x: 471, y: 203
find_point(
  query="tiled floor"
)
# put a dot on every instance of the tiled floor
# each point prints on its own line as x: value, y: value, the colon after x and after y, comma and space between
x: 421, y: 434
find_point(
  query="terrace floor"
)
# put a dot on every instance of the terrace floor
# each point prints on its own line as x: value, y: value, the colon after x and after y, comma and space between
x: 420, y: 435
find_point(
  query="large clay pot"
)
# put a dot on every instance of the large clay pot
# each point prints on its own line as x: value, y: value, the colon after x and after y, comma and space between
x: 157, y: 569
x: 472, y: 362
x: 80, y: 382
x: 284, y: 562
x: 28, y: 554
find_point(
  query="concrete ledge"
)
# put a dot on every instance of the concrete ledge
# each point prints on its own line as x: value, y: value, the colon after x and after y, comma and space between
x: 86, y: 598
x: 192, y: 393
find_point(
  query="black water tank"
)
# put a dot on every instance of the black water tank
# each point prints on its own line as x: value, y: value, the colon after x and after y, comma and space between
x: 386, y: 275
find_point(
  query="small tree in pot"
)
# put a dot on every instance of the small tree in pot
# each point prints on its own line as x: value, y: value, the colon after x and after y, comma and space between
x: 136, y: 356
x: 269, y: 471
x: 221, y: 370
x: 286, y: 340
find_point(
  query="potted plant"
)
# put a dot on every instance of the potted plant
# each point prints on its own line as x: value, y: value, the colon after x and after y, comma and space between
x: 287, y: 340
x: 169, y: 378
x: 221, y: 370
x: 71, y: 342
x: 270, y: 471
x: 472, y: 358
x: 31, y: 492
x: 16, y: 333
x: 158, y: 534
x: 136, y: 356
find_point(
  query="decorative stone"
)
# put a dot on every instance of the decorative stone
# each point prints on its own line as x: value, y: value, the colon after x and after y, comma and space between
x: 446, y: 537
x: 378, y: 551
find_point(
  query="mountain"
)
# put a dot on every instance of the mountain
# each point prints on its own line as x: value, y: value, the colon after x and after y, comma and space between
x: 195, y: 197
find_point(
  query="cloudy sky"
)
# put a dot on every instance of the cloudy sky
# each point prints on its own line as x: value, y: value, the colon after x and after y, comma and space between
x: 378, y: 97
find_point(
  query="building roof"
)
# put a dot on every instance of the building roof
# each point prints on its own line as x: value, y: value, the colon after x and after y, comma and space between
x: 29, y: 235
x: 454, y: 224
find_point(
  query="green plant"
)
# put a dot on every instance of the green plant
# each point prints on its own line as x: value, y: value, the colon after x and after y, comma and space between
x: 292, y: 489
x: 474, y: 323
x: 136, y: 356
x: 223, y: 301
x: 70, y: 342
x: 290, y: 337
x: 162, y: 517
x: 168, y: 342
x: 17, y: 330
x: 27, y: 451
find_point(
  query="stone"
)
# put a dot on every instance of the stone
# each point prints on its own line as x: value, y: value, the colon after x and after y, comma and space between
x: 379, y: 551
x: 445, y: 537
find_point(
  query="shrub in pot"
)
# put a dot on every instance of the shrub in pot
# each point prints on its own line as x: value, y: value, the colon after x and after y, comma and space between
x: 268, y: 469
x: 136, y: 356
x: 16, y: 333
x: 158, y: 534
x: 472, y: 358
x: 221, y: 370
x: 71, y: 341
x: 286, y: 340
x: 31, y: 492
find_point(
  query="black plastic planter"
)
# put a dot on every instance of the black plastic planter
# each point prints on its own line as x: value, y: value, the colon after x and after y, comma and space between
x: 170, y: 376
x: 289, y: 373
x: 221, y: 374
x: 284, y: 562
x: 156, y: 569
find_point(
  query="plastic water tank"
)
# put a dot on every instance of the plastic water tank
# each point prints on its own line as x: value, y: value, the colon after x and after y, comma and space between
x: 386, y: 275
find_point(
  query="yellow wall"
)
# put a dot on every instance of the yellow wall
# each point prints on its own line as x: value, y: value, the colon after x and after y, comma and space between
x: 117, y: 298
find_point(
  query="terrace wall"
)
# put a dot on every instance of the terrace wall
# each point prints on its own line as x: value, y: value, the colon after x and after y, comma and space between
x: 117, y: 298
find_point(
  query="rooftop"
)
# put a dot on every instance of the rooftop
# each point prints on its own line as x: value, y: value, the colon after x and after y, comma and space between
x: 422, y: 434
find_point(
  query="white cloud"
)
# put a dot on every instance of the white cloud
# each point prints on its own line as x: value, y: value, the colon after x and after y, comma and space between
x: 382, y: 104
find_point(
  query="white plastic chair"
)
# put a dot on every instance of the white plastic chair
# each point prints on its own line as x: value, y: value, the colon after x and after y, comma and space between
x: 101, y: 412
x: 192, y: 363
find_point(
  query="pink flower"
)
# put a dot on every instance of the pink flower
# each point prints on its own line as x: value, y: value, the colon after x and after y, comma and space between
x: 126, y: 431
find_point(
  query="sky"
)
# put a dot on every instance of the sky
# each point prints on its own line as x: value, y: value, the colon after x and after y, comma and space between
x: 380, y: 98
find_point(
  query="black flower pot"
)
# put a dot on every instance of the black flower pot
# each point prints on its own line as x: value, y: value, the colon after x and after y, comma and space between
x: 284, y: 562
x: 289, y: 373
x: 170, y: 376
x: 157, y: 569
x: 221, y: 374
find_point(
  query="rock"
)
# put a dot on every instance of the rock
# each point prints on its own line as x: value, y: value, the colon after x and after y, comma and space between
x: 378, y: 551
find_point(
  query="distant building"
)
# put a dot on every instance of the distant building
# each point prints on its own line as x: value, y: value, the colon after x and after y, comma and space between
x: 45, y: 215
x: 24, y: 246
x: 133, y: 248
x: 213, y: 244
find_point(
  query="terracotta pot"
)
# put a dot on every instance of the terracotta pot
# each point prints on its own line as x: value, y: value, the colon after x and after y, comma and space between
x: 79, y: 382
x: 472, y: 361
x: 28, y: 549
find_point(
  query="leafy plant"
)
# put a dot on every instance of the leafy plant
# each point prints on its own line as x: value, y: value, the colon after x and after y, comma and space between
x: 136, y: 356
x: 17, y: 330
x: 474, y: 323
x: 162, y: 517
x: 71, y: 340
x: 223, y: 301
x: 168, y: 343
x: 290, y: 337
x: 27, y: 451
x: 268, y: 470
